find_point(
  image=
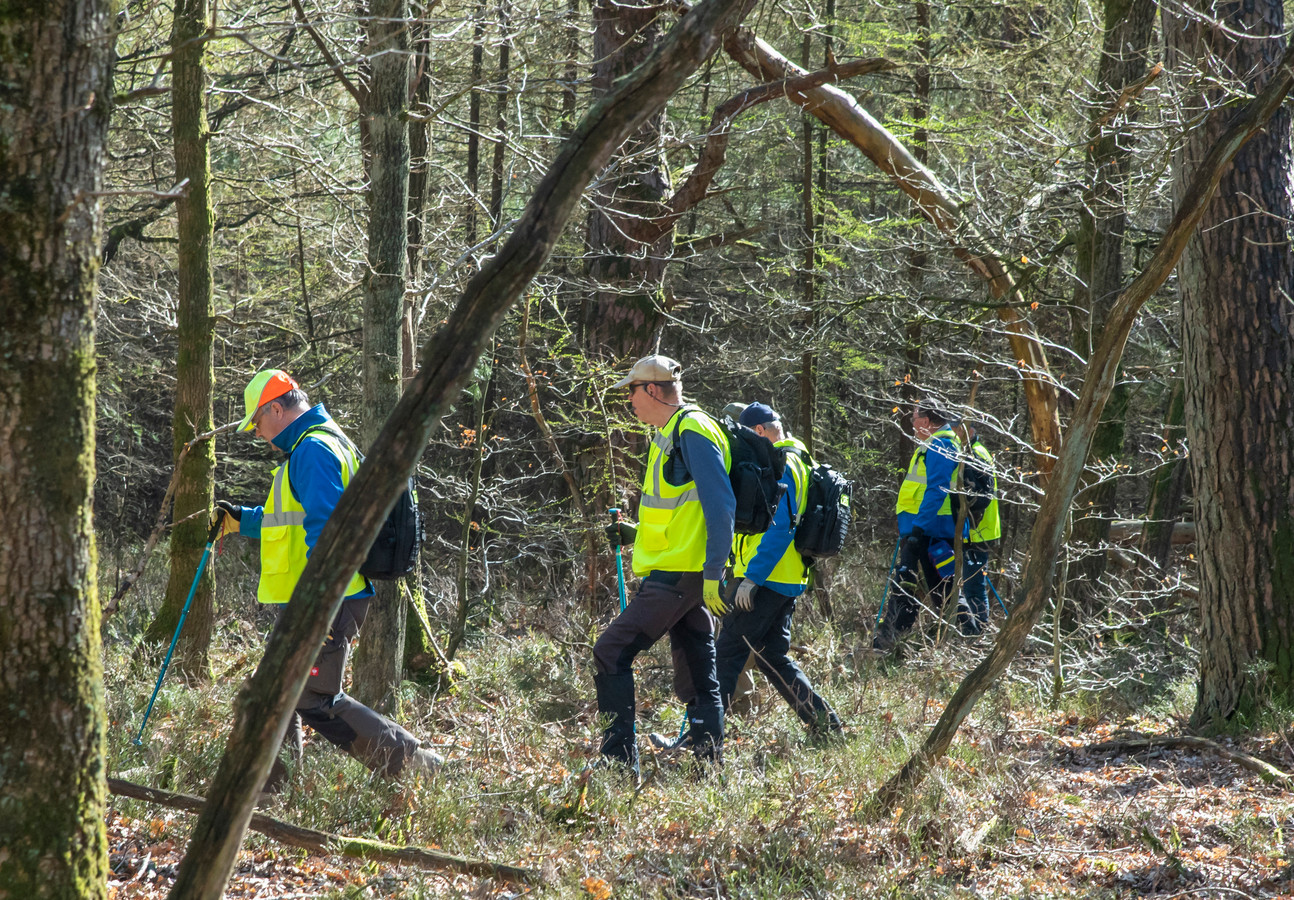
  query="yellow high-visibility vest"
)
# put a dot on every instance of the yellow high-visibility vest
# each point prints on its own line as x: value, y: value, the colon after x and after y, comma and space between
x: 790, y: 569
x: 913, y: 488
x: 990, y: 524
x: 283, y: 528
x: 671, y: 524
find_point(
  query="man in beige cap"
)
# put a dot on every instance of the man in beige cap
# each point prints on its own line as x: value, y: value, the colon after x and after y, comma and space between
x: 684, y: 534
x: 320, y: 461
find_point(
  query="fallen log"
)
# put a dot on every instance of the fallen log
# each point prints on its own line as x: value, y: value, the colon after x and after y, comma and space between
x: 335, y: 844
x: 1263, y: 769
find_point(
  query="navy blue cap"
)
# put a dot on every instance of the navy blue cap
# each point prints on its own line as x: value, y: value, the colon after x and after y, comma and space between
x: 758, y: 414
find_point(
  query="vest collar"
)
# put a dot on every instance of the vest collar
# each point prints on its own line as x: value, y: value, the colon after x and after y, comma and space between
x: 286, y: 439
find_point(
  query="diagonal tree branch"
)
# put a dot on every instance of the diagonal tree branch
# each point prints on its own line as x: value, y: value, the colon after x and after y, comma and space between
x: 712, y: 155
x: 846, y: 116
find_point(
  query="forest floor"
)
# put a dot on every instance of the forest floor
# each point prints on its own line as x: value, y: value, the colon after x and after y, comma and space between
x: 1026, y: 804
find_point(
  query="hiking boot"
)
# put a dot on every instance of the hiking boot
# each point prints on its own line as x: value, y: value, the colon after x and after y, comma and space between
x: 885, y: 640
x: 669, y: 742
x: 423, y: 762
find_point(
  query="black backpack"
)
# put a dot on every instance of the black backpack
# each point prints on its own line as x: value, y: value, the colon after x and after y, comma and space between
x: 977, y: 488
x: 394, y: 553
x: 755, y: 475
x: 824, y: 525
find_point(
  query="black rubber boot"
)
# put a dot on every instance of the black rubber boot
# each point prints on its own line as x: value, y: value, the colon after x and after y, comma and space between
x: 616, y: 704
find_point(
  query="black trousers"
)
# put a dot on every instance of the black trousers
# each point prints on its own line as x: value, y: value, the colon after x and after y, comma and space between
x: 914, y: 567
x: 765, y: 630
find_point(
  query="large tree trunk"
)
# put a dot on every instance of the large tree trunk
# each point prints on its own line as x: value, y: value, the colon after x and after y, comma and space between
x: 54, y: 101
x: 195, y: 334
x: 263, y: 706
x: 1099, y: 260
x: 622, y: 315
x: 1236, y: 281
x: 379, y: 656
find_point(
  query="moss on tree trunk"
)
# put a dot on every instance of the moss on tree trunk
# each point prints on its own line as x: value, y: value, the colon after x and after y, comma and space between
x: 53, y: 120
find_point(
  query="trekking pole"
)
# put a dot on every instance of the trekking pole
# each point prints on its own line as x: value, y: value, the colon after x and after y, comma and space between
x: 193, y: 589
x: 620, y: 561
x: 893, y: 559
x: 1005, y: 612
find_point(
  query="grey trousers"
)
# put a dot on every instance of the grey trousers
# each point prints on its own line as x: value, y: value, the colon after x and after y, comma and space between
x: 372, y: 738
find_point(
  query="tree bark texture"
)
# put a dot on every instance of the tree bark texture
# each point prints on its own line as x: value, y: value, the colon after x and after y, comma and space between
x: 195, y: 335
x: 1099, y: 258
x: 1236, y: 281
x: 447, y: 360
x: 846, y: 116
x: 55, y: 85
x: 1048, y: 534
x: 379, y: 656
x: 622, y: 315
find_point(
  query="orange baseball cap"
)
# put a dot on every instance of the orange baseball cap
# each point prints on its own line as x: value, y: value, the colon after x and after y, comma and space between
x: 264, y: 387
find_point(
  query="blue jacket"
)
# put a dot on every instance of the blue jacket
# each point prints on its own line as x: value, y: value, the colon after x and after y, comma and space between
x: 941, y: 466
x: 314, y: 476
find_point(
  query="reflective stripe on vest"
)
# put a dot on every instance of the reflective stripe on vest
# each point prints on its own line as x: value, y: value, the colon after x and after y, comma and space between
x: 283, y: 531
x: 671, y: 524
x: 913, y: 488
x: 790, y: 569
x: 990, y: 524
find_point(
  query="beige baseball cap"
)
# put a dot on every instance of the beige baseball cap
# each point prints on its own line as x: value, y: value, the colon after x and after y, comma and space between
x: 652, y: 368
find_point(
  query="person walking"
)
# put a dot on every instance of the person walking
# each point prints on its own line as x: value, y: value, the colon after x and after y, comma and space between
x: 985, y: 527
x: 680, y: 547
x: 305, y: 490
x: 927, y: 523
x: 771, y: 576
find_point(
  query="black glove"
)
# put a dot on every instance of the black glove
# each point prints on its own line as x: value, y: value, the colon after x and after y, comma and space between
x: 621, y: 534
x: 916, y: 532
x: 234, y: 512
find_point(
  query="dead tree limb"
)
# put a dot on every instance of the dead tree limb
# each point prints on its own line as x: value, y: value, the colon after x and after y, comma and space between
x: 446, y: 362
x: 325, y: 843
x: 1263, y: 769
x: 712, y: 155
x: 1102, y: 370
x: 845, y: 115
x: 114, y: 602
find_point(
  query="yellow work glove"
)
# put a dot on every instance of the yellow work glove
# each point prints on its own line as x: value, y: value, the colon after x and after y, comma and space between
x: 710, y: 596
x: 232, y: 515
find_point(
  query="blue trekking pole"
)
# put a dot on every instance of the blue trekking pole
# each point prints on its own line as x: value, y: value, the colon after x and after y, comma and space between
x: 1005, y: 612
x: 620, y: 561
x: 193, y: 589
x: 893, y: 559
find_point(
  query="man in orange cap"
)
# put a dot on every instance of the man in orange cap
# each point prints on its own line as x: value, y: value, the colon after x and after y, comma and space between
x: 320, y: 462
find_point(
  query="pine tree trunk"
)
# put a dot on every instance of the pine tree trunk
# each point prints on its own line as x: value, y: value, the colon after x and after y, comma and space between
x: 195, y: 334
x: 379, y: 657
x: 54, y: 103
x: 1099, y: 261
x: 1236, y: 280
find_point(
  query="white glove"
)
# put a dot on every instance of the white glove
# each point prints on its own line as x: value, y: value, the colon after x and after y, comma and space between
x: 745, y: 599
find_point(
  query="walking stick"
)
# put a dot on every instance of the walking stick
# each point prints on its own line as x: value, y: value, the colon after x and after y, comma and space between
x: 1005, y: 612
x: 893, y: 559
x: 193, y: 589
x: 620, y: 561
